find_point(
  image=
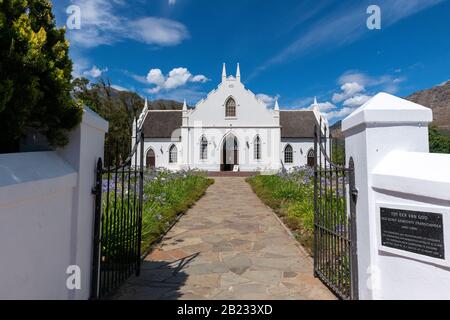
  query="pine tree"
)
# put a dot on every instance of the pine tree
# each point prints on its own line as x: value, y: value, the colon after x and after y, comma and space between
x: 35, y: 75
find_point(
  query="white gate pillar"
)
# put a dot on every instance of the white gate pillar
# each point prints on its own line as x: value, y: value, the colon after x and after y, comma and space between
x: 86, y: 146
x: 384, y: 124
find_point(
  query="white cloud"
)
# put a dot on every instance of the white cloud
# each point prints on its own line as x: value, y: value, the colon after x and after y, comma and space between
x: 349, y: 89
x: 95, y: 72
x: 356, y: 101
x: 172, y: 2
x: 176, y: 78
x: 160, y: 31
x: 200, y: 78
x: 119, y: 88
x: 387, y: 83
x: 268, y: 100
x: 341, y: 113
x: 101, y: 24
x: 325, y: 106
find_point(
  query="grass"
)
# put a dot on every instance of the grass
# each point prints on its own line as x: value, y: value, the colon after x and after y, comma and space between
x: 291, y: 196
x: 292, y: 199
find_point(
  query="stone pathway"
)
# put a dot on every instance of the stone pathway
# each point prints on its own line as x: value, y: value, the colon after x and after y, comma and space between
x: 229, y: 246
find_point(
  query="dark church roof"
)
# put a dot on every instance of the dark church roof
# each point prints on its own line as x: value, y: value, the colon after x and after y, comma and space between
x: 297, y: 124
x: 294, y: 124
x: 162, y: 124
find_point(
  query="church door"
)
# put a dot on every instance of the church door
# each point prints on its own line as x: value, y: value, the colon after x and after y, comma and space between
x: 230, y: 153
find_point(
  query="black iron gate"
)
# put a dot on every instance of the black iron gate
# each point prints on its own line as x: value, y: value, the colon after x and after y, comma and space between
x: 118, y: 218
x: 335, y: 255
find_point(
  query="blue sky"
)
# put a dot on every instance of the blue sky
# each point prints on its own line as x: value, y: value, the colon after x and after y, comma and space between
x: 293, y: 50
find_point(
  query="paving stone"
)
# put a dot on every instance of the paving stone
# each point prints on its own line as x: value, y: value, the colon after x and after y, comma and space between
x: 228, y: 246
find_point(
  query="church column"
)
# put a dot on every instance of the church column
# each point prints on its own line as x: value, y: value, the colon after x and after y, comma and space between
x: 185, y: 139
x: 276, y: 138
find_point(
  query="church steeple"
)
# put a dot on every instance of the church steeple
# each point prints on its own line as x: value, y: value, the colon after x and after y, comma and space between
x: 238, y: 73
x: 224, y: 73
x: 277, y: 106
x: 315, y: 105
x: 184, y: 105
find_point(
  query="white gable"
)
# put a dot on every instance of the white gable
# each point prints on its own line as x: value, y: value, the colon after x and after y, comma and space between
x: 250, y: 111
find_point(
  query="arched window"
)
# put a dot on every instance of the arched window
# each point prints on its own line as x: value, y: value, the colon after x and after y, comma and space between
x: 288, y: 154
x: 230, y: 108
x: 173, y: 154
x: 311, y: 158
x: 151, y: 159
x: 257, y: 148
x: 204, y: 148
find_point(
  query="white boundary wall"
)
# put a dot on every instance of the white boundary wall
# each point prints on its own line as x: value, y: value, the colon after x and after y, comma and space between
x: 388, y: 141
x: 46, y: 215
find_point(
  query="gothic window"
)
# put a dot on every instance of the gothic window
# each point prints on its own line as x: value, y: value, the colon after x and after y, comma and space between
x: 230, y: 108
x: 204, y: 148
x: 288, y: 154
x: 173, y: 154
x: 257, y: 148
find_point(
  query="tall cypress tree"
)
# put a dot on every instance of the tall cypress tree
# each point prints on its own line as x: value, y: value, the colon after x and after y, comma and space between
x: 35, y: 75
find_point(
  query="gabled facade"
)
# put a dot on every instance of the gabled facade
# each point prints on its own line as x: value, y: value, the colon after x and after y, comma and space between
x: 231, y: 129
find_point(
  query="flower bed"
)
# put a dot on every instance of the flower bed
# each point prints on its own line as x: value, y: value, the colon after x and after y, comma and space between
x: 166, y: 196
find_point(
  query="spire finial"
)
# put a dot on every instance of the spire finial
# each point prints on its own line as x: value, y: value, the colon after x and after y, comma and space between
x: 146, y: 104
x: 315, y: 101
x: 238, y: 72
x: 184, y: 105
x: 277, y: 106
x: 224, y: 72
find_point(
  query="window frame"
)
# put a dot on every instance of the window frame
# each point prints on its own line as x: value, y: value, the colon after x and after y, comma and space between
x: 257, y: 148
x: 204, y: 148
x: 291, y: 152
x: 173, y: 154
x: 234, y: 108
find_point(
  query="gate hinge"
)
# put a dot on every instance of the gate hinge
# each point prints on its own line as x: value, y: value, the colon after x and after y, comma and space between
x: 354, y: 192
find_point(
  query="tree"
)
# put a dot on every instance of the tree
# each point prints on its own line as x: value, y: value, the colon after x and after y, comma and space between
x: 120, y: 108
x: 439, y: 143
x: 35, y: 75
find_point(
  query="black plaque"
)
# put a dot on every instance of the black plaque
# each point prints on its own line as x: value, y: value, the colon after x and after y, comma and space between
x: 413, y: 231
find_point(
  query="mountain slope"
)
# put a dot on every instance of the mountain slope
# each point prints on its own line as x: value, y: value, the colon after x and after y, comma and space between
x: 438, y: 99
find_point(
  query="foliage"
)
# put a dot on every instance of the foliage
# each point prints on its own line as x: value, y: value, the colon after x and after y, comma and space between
x: 439, y: 143
x: 120, y: 108
x: 35, y: 75
x: 338, y: 152
x: 290, y: 194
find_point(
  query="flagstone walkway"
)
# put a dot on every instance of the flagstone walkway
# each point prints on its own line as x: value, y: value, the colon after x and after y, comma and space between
x: 228, y: 246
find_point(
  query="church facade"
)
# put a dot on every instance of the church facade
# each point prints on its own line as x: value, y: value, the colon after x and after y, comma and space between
x: 229, y: 130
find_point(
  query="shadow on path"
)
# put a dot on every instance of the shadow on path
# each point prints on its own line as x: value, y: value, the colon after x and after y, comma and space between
x: 159, y: 280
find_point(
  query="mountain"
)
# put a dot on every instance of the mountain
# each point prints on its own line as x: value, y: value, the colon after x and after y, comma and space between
x: 165, y: 105
x: 436, y: 98
x: 335, y: 130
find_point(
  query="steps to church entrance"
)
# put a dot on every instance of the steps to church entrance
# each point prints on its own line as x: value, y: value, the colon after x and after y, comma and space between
x: 228, y: 246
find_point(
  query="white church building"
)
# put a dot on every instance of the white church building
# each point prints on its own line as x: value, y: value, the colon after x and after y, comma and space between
x: 229, y: 130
